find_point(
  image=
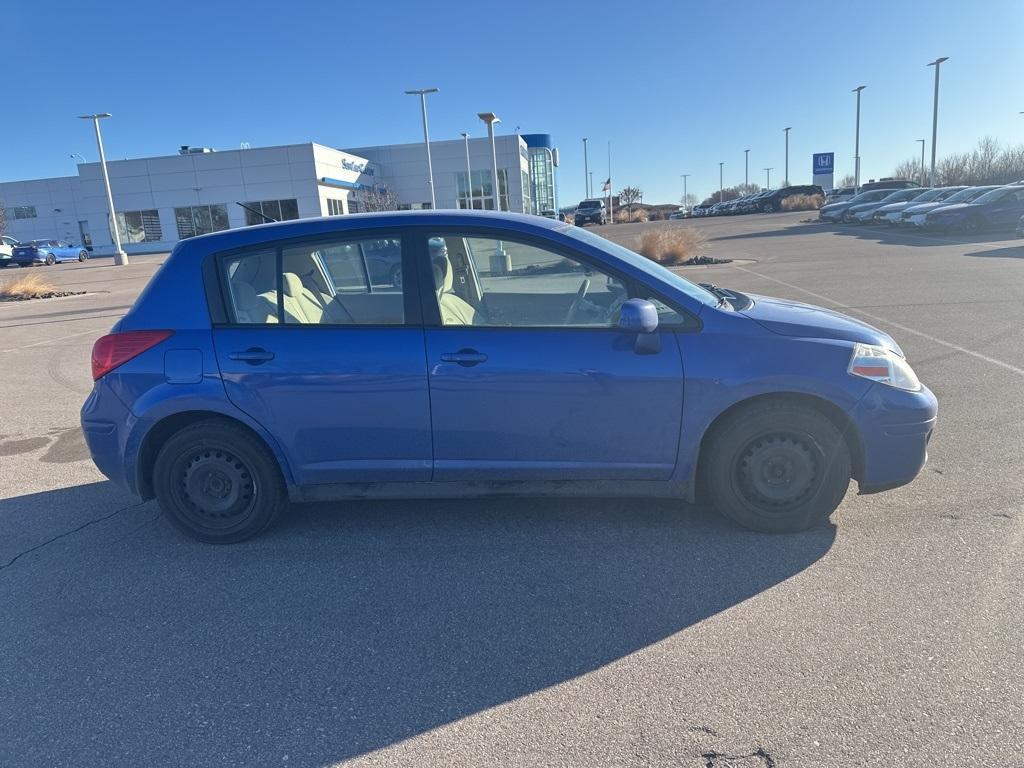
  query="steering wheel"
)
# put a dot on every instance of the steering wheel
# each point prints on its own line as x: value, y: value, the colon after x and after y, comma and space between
x: 584, y: 287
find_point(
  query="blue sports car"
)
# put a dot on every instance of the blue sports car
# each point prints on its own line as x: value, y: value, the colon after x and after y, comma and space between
x: 47, y: 252
x: 514, y: 355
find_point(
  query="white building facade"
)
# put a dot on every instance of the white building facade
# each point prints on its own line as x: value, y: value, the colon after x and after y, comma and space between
x: 161, y: 200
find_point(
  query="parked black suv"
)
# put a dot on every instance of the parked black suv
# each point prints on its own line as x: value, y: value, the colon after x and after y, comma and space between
x: 773, y: 202
x: 590, y: 212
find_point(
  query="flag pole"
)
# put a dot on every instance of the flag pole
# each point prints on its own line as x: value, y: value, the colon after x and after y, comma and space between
x: 611, y: 210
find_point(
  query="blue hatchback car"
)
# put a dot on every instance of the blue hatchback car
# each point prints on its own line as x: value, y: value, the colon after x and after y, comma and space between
x: 47, y: 252
x: 512, y: 355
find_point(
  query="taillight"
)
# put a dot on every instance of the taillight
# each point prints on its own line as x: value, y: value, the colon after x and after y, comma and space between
x: 116, y: 349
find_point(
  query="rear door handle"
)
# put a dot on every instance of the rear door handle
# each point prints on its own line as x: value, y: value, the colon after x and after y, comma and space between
x: 253, y: 356
x: 464, y: 357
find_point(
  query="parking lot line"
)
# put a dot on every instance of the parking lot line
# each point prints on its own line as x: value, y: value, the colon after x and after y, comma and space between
x: 52, y: 341
x: 904, y: 328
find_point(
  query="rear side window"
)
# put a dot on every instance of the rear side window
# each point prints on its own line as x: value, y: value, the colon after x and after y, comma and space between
x: 342, y: 282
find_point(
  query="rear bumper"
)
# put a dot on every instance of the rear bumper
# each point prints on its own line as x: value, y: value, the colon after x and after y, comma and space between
x: 106, y: 424
x: 895, y: 428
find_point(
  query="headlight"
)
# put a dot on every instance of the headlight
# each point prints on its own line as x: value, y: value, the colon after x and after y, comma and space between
x: 884, y: 366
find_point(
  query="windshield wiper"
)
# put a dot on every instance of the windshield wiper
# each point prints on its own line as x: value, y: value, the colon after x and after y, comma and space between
x: 723, y: 296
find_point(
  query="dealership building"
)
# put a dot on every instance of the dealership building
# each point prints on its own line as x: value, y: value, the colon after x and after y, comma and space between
x: 161, y: 200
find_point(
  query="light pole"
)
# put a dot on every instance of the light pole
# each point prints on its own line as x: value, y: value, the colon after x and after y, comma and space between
x: 469, y: 172
x: 746, y: 167
x: 490, y: 118
x: 586, y: 171
x: 768, y: 178
x: 591, y: 182
x: 935, y: 111
x: 685, y: 177
x: 721, y: 187
x: 120, y: 257
x: 922, y: 161
x: 786, y: 131
x: 856, y: 142
x: 422, y: 93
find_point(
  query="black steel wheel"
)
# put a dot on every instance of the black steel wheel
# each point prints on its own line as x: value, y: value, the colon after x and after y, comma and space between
x: 776, y: 467
x: 218, y: 482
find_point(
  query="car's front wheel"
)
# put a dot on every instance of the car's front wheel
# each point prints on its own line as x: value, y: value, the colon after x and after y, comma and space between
x: 218, y: 483
x: 82, y: 255
x: 766, y: 208
x: 776, y: 468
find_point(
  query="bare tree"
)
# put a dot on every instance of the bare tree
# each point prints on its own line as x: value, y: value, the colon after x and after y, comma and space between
x: 628, y: 196
x: 847, y: 181
x: 379, y: 198
x: 689, y: 201
x: 988, y: 163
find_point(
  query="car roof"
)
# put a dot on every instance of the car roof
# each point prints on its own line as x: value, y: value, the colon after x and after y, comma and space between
x: 296, y: 228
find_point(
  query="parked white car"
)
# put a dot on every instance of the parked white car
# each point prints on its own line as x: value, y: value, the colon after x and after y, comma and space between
x: 7, y: 244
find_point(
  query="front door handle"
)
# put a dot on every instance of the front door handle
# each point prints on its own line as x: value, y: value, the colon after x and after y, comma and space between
x: 253, y: 356
x: 464, y: 357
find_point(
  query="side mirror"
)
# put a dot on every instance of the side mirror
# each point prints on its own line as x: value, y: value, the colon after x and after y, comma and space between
x: 638, y: 316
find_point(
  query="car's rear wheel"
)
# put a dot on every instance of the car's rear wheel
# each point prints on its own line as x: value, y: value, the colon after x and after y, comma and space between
x: 218, y: 483
x: 50, y: 259
x: 971, y: 225
x: 776, y: 468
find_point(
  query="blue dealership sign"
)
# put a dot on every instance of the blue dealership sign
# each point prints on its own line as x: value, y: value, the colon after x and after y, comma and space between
x: 824, y: 163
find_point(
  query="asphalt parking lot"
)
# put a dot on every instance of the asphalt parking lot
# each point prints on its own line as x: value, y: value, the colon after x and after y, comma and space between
x: 537, y: 632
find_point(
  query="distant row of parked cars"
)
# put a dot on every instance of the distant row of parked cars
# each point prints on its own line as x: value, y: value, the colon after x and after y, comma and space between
x: 765, y: 201
x: 15, y: 254
x: 959, y: 209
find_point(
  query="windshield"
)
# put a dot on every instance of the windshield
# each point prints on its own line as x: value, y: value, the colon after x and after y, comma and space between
x: 929, y: 195
x: 870, y: 196
x: 656, y: 271
x: 990, y: 197
x: 590, y: 204
x: 967, y: 194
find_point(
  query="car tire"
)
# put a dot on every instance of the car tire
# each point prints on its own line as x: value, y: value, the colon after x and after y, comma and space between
x: 82, y: 255
x: 776, y: 468
x: 396, y: 277
x: 766, y: 208
x: 971, y: 225
x: 218, y: 483
x: 50, y: 259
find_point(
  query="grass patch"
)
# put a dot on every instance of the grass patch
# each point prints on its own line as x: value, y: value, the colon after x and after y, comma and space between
x: 27, y: 286
x: 802, y: 203
x: 672, y: 246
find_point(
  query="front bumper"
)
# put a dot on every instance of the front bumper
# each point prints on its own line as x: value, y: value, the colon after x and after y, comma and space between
x: 895, y: 427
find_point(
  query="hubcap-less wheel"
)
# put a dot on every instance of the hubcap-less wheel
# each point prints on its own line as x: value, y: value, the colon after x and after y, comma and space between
x: 776, y: 470
x: 217, y: 489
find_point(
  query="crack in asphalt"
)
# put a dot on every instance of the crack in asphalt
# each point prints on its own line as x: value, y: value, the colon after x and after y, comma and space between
x: 59, y: 536
x: 723, y: 760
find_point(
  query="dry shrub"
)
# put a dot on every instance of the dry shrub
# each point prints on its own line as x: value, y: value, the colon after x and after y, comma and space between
x: 27, y: 286
x: 623, y: 216
x: 672, y: 245
x: 803, y: 203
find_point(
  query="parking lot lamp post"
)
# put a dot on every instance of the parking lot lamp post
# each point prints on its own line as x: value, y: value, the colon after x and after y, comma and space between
x: 586, y: 170
x: 746, y: 167
x: 785, y: 180
x: 469, y: 172
x: 856, y: 142
x: 490, y: 118
x: 590, y: 188
x: 422, y: 93
x: 120, y: 257
x: 721, y: 186
x: 685, y: 176
x: 922, y: 161
x: 767, y: 178
x: 935, y: 111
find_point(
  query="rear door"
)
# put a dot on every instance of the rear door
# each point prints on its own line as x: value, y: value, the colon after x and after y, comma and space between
x: 530, y: 379
x: 327, y: 357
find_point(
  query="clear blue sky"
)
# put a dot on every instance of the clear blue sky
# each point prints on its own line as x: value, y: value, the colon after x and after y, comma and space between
x: 676, y: 87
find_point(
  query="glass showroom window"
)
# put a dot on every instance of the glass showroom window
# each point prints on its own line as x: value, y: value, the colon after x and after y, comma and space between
x: 278, y: 210
x: 483, y: 190
x: 24, y: 212
x: 139, y: 226
x: 201, y: 219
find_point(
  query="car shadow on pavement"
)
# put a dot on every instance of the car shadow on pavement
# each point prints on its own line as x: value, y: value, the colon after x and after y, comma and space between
x: 347, y: 627
x: 880, y: 234
x: 1013, y: 252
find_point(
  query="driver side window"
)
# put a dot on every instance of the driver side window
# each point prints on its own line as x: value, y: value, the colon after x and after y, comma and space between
x: 504, y: 283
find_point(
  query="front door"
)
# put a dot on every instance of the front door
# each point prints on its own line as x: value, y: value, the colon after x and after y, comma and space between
x: 324, y: 354
x: 529, y: 377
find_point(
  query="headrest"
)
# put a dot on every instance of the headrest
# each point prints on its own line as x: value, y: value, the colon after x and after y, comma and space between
x: 292, y: 284
x: 444, y: 275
